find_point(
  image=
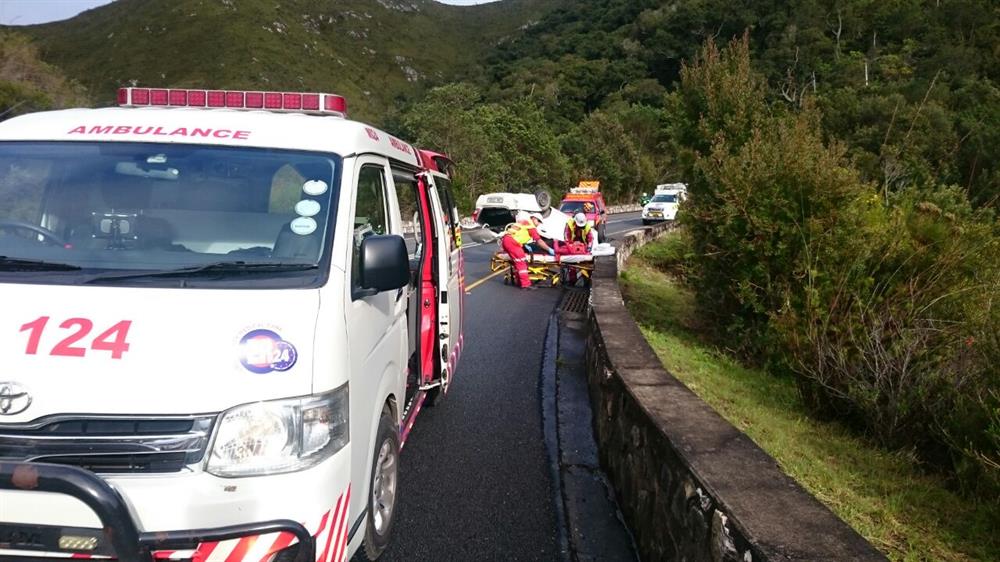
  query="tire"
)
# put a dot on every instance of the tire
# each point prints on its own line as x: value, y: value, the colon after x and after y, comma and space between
x: 383, y: 490
x: 601, y: 232
x: 645, y: 222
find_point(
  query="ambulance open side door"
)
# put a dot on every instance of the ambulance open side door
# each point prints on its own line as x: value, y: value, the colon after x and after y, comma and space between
x: 450, y: 269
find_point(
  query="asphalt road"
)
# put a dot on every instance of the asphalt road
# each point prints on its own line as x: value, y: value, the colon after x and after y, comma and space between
x: 475, y: 483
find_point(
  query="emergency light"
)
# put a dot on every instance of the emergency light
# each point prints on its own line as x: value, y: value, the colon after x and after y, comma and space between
x: 297, y: 102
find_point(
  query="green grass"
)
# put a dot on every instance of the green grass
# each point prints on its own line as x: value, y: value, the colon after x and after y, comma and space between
x: 902, y: 511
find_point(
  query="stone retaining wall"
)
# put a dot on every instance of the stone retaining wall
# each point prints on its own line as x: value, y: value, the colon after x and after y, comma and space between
x: 690, y: 485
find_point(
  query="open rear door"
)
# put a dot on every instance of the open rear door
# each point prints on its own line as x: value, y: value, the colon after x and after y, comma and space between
x: 450, y: 270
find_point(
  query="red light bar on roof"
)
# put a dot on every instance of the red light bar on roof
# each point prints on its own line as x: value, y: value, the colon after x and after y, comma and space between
x: 293, y: 102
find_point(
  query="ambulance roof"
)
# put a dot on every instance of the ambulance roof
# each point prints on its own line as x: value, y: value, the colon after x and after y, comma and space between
x: 228, y: 127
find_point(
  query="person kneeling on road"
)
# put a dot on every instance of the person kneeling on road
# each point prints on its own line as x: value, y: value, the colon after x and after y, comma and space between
x: 516, y: 236
x: 579, y: 230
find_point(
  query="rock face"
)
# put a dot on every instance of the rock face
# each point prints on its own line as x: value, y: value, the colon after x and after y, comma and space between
x: 691, y: 486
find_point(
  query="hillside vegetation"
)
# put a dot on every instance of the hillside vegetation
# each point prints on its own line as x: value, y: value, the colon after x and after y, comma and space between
x: 909, y: 86
x: 29, y: 84
x: 375, y: 52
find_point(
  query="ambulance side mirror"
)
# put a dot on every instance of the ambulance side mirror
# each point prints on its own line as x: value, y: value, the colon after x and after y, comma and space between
x: 385, y: 265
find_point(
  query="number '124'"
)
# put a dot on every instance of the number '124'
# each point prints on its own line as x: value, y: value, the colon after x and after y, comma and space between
x: 114, y: 339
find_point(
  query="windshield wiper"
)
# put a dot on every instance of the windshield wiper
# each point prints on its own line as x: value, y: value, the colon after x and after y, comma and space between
x: 22, y: 264
x: 216, y: 268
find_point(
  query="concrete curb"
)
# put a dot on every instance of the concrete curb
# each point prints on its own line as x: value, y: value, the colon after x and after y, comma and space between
x: 691, y: 486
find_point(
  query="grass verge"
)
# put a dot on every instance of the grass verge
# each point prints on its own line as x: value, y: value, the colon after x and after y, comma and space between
x: 907, y: 514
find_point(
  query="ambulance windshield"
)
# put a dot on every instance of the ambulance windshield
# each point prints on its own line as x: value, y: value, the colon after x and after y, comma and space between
x: 132, y: 211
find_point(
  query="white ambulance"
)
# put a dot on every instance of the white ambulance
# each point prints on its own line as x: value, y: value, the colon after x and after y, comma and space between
x: 216, y: 333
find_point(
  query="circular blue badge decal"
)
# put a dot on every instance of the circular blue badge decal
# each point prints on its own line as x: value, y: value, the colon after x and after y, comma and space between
x: 263, y: 351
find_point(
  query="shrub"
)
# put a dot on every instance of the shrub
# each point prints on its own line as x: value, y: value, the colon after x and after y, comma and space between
x: 881, y: 307
x: 29, y: 84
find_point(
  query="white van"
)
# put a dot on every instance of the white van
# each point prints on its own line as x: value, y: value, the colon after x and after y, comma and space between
x: 217, y: 334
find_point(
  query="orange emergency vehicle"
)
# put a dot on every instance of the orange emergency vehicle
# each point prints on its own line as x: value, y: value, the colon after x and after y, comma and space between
x: 586, y: 198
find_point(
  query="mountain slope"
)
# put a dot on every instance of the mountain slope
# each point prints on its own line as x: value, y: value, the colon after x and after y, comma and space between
x: 372, y: 51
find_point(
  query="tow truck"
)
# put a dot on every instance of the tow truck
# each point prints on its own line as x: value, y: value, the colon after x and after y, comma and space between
x: 218, y: 333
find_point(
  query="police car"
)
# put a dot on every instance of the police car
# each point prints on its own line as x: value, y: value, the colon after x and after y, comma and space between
x: 217, y: 333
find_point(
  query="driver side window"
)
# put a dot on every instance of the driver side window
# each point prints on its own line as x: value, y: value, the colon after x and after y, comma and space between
x: 370, y: 215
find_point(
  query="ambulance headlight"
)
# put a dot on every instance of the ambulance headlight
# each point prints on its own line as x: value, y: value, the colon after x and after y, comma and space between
x: 279, y: 436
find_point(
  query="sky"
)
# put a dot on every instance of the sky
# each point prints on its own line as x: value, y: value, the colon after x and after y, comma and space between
x: 27, y: 12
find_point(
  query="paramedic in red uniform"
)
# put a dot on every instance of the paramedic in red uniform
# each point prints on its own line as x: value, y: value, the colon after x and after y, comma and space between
x: 579, y: 230
x: 515, y: 236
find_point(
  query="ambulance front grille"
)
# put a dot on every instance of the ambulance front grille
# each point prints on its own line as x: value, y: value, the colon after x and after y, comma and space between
x: 110, y: 444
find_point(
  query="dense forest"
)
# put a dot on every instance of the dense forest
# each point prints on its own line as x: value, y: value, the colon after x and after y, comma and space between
x: 910, y: 86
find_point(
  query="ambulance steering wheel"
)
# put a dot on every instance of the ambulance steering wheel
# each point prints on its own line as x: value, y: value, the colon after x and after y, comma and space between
x: 41, y: 230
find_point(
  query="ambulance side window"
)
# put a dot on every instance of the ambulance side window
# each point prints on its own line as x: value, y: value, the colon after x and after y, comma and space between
x: 370, y: 212
x: 406, y: 195
x: 451, y: 212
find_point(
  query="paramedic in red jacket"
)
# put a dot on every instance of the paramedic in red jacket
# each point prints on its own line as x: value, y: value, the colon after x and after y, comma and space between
x: 515, y: 236
x: 579, y: 230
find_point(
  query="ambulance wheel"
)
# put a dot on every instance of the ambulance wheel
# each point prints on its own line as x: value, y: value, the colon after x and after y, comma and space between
x: 383, y: 488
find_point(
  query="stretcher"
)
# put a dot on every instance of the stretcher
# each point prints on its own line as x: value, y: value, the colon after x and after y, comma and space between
x: 547, y: 270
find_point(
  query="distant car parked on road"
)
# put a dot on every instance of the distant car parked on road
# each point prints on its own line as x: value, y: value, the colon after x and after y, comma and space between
x: 665, y: 203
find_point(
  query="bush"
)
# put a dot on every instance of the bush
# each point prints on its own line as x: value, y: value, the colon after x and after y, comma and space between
x: 880, y: 304
x: 896, y: 343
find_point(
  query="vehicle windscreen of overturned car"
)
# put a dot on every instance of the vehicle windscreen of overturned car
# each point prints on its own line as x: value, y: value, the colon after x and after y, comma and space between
x: 496, y: 218
x: 164, y: 214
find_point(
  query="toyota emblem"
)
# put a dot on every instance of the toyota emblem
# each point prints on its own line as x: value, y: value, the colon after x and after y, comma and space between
x: 14, y: 399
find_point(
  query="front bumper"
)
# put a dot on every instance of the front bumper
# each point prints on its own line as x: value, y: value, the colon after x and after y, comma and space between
x: 120, y: 537
x: 658, y: 215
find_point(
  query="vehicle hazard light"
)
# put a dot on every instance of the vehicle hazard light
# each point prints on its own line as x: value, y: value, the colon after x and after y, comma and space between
x: 291, y: 102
